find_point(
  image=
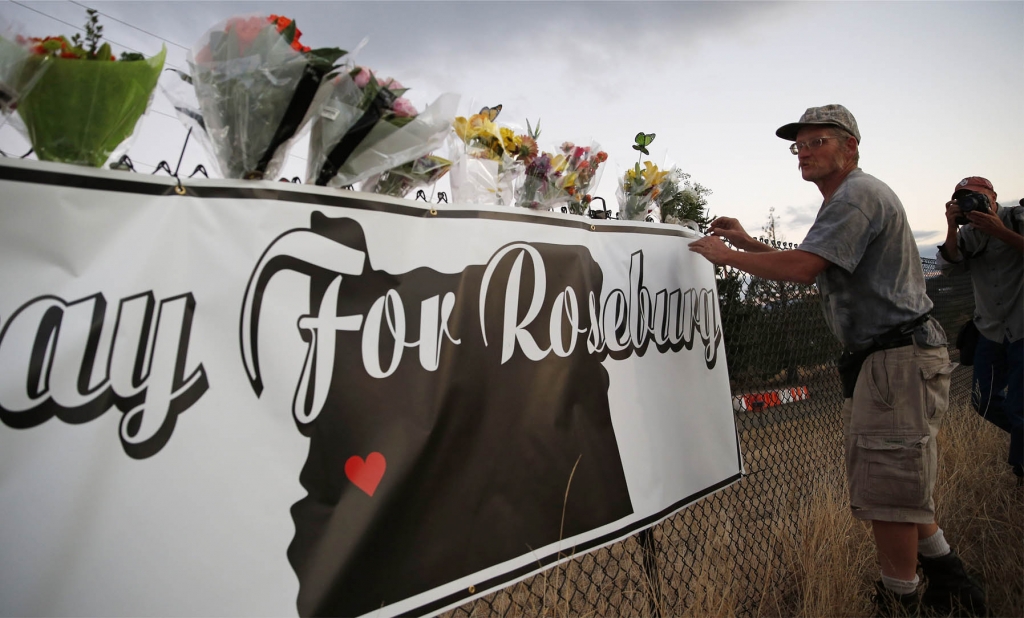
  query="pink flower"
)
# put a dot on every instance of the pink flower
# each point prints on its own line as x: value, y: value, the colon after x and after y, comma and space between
x: 363, y: 77
x: 392, y: 84
x: 403, y: 107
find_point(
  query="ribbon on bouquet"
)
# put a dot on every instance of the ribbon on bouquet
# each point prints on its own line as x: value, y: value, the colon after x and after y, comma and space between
x: 293, y: 116
x: 380, y: 104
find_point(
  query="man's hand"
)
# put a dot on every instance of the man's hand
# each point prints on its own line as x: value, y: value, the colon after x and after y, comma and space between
x: 731, y: 230
x: 952, y: 214
x: 986, y: 222
x: 712, y: 248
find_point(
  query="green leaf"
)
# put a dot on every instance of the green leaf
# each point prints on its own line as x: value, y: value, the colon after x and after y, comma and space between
x: 289, y: 32
x: 104, y: 52
x: 329, y: 55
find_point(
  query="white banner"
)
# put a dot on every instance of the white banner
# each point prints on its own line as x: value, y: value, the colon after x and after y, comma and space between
x: 260, y: 398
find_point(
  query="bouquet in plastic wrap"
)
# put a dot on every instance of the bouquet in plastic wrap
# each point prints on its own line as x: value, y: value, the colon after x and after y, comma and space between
x: 363, y: 127
x: 655, y: 195
x: 399, y: 181
x: 20, y: 69
x: 254, y: 85
x: 88, y: 101
x: 546, y: 183
x: 584, y: 171
x: 488, y: 160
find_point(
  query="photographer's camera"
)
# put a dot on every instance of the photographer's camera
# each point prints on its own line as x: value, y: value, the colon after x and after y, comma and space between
x: 970, y: 201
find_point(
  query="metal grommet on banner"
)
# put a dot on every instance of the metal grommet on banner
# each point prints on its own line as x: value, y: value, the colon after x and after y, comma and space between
x: 180, y: 190
x: 593, y: 228
x: 472, y: 589
x: 433, y: 211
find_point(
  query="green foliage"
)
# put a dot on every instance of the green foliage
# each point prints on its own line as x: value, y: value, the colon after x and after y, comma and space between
x: 685, y: 200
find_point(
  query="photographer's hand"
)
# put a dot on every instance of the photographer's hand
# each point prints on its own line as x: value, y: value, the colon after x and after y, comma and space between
x: 952, y: 214
x: 950, y: 250
x: 986, y: 222
x: 991, y: 224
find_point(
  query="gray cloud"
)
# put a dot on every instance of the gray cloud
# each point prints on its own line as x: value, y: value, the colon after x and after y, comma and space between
x: 800, y: 216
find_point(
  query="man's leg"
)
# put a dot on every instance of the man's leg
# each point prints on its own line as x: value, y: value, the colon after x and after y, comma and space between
x: 989, y: 381
x: 1014, y: 402
x: 896, y: 542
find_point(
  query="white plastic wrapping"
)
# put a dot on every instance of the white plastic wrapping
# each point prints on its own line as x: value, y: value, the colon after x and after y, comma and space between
x: 245, y: 74
x: 356, y: 135
x: 20, y: 69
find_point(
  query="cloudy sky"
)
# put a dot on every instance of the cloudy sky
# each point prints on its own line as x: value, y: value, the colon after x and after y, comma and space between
x: 937, y: 87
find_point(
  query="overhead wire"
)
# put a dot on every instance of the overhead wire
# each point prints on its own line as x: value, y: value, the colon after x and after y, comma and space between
x: 133, y: 26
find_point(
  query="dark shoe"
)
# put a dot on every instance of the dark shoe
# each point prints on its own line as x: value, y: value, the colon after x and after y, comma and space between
x: 888, y: 604
x: 949, y: 587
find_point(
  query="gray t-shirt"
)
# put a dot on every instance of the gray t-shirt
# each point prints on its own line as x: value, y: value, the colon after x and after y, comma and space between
x: 875, y: 282
x: 997, y: 273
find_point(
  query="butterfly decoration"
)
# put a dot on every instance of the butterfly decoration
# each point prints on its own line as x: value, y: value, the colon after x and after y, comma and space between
x: 643, y: 140
x: 491, y: 112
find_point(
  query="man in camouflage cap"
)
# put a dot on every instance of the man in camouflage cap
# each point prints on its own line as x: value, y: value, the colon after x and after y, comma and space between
x: 895, y: 369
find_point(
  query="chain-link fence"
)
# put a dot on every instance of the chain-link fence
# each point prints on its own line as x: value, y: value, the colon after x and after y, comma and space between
x: 787, y: 400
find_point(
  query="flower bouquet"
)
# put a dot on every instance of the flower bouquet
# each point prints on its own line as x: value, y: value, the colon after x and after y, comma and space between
x: 655, y: 195
x: 489, y: 160
x: 640, y: 190
x: 546, y: 183
x: 20, y: 69
x: 88, y: 102
x: 364, y: 127
x: 399, y: 181
x: 584, y: 167
x: 254, y: 84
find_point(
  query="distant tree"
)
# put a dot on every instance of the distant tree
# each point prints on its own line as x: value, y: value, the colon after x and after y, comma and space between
x: 772, y: 327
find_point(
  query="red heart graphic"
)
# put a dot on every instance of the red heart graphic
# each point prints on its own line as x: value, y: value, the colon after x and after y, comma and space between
x: 366, y: 475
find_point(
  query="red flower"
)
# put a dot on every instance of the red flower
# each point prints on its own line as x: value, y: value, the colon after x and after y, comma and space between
x: 245, y: 29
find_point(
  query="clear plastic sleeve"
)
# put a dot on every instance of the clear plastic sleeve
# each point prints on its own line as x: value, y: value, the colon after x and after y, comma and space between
x: 400, y: 181
x: 254, y: 91
x: 639, y: 188
x: 81, y: 111
x: 546, y: 183
x: 584, y: 167
x: 362, y: 129
x: 486, y: 161
x: 20, y: 69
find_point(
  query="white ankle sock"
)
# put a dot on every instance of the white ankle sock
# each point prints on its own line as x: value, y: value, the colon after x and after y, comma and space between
x: 900, y: 586
x: 934, y: 546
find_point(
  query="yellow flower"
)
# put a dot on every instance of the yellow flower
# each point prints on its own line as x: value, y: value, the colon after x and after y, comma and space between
x: 476, y: 127
x: 510, y: 140
x: 652, y: 175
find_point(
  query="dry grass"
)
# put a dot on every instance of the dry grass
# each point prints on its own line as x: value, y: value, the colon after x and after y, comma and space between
x: 782, y: 542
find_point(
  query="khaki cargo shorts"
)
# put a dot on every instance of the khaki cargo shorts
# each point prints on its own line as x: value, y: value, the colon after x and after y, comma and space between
x: 890, y: 425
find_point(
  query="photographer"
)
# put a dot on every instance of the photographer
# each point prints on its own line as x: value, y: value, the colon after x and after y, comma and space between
x: 989, y: 246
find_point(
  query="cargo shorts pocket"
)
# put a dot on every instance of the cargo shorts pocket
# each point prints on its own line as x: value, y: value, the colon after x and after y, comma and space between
x: 889, y: 471
x: 936, y: 385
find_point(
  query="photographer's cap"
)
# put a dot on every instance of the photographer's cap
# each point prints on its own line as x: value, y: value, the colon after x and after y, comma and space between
x: 973, y: 183
x: 833, y: 115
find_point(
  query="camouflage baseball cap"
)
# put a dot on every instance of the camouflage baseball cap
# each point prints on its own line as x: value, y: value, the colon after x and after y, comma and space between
x: 834, y: 115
